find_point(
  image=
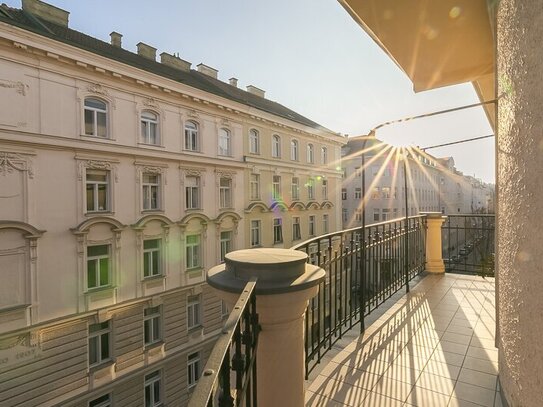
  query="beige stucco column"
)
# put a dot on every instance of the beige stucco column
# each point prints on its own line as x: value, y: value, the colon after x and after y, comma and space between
x: 434, y: 251
x: 285, y: 285
x: 520, y: 200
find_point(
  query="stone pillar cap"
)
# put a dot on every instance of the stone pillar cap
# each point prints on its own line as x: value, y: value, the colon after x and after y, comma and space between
x: 277, y: 270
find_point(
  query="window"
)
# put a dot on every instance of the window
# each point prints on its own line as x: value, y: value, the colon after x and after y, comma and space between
x: 324, y: 155
x: 151, y: 191
x: 324, y: 189
x: 149, y: 128
x: 386, y: 214
x: 192, y: 257
x: 343, y: 194
x: 344, y: 214
x: 395, y: 212
x: 194, y: 316
x: 358, y: 216
x: 295, y: 188
x: 375, y: 193
x: 153, y: 392
x: 325, y: 226
x: 95, y: 118
x: 294, y: 150
x: 103, y: 401
x: 296, y: 233
x: 255, y: 233
x: 310, y: 153
x: 225, y: 143
x: 376, y: 214
x: 255, y: 186
x: 152, y: 265
x: 193, y: 369
x: 97, y: 186
x: 310, y: 188
x: 357, y: 193
x: 276, y: 187
x: 226, y: 243
x: 276, y: 146
x: 395, y: 192
x: 277, y: 230
x: 192, y: 192
x: 99, y: 343
x: 98, y: 266
x: 225, y: 193
x: 386, y: 192
x: 224, y: 309
x: 344, y: 173
x: 192, y: 141
x: 254, y: 142
x: 311, y: 225
x: 357, y: 171
x: 151, y: 325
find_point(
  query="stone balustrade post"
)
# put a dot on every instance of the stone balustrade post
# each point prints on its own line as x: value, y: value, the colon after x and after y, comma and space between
x: 285, y: 284
x: 434, y: 249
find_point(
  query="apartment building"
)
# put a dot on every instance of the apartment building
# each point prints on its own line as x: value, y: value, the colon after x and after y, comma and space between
x: 122, y: 180
x: 433, y: 184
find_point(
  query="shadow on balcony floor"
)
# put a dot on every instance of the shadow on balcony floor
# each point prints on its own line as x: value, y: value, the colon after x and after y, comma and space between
x: 433, y: 347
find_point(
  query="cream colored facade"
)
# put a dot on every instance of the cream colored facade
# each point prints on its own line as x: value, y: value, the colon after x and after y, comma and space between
x: 119, y: 188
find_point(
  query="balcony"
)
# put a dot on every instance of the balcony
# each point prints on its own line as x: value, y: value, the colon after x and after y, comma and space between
x: 423, y: 337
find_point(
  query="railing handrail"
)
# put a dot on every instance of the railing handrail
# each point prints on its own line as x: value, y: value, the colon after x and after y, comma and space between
x: 204, y: 388
x: 350, y: 230
x: 478, y: 215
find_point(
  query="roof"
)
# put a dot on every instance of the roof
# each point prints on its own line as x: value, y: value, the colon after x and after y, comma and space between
x: 22, y: 19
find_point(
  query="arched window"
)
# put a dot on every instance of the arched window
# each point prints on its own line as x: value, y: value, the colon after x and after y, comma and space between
x: 254, y: 142
x: 276, y: 146
x: 294, y: 150
x: 310, y: 154
x: 324, y: 155
x: 95, y: 118
x: 225, y: 142
x: 149, y: 128
x: 192, y: 141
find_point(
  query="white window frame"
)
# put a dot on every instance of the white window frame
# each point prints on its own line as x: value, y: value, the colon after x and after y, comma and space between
x: 324, y: 155
x: 295, y: 188
x: 147, y: 188
x: 311, y: 154
x: 325, y: 223
x: 95, y: 187
x: 102, y: 401
x: 375, y: 194
x: 276, y: 146
x: 310, y: 188
x: 254, y: 183
x: 296, y: 228
x: 376, y: 214
x: 97, y: 259
x: 148, y: 256
x: 311, y: 225
x: 385, y: 214
x: 97, y: 336
x: 151, y: 380
x: 193, y: 369
x: 277, y: 230
x: 152, y: 325
x: 193, y: 251
x: 358, y: 215
x: 343, y: 194
x: 276, y: 186
x: 149, y: 125
x: 191, y: 140
x: 226, y: 243
x: 254, y: 142
x: 192, y: 192
x: 324, y: 189
x: 225, y: 143
x: 95, y: 111
x: 256, y: 233
x: 294, y: 150
x: 194, y: 311
x: 358, y: 193
x: 225, y: 193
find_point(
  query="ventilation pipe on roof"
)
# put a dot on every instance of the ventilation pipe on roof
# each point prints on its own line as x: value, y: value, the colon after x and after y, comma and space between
x: 146, y: 51
x: 116, y: 39
x: 256, y: 91
x: 233, y: 82
x: 174, y: 62
x: 207, y: 70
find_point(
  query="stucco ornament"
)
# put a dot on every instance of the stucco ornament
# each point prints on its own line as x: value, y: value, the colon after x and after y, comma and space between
x: 11, y: 161
x: 19, y: 87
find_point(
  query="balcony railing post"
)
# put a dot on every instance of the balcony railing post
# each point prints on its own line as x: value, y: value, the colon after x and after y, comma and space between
x: 286, y: 282
x: 434, y: 251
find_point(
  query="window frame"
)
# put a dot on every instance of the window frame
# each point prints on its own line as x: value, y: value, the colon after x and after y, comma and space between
x: 225, y: 245
x: 310, y: 153
x: 193, y: 134
x: 294, y: 150
x: 276, y: 187
x: 193, y: 191
x: 254, y: 141
x: 153, y: 315
x: 276, y: 146
x: 96, y: 192
x: 258, y: 230
x: 324, y: 189
x: 296, y: 228
x: 194, y: 311
x: 254, y: 187
x: 224, y: 136
x: 96, y: 402
x: 343, y: 194
x: 196, y: 252
x: 295, y: 188
x: 98, y: 266
x: 277, y: 230
x: 147, y: 124
x: 149, y: 263
x: 310, y: 188
x: 358, y: 193
x: 325, y: 223
x: 193, y: 369
x: 150, y: 380
x: 225, y: 193
x: 324, y: 155
x: 98, y: 335
x: 147, y: 192
x: 95, y: 112
x: 311, y: 223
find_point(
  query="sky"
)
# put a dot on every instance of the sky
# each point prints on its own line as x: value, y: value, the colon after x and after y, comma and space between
x: 308, y: 55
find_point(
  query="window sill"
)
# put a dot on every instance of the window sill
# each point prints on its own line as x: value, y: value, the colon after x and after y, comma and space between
x: 15, y: 308
x: 99, y: 213
x: 140, y: 144
x: 192, y: 210
x: 195, y: 329
x: 150, y: 211
x: 101, y: 367
x: 153, y: 278
x: 229, y: 208
x: 90, y: 137
x: 195, y: 270
x: 100, y: 289
x: 192, y: 151
x: 153, y: 346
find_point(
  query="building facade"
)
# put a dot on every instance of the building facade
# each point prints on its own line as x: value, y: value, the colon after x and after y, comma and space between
x: 122, y: 181
x: 434, y: 184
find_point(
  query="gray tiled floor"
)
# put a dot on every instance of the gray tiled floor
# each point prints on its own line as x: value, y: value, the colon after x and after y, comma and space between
x: 433, y: 347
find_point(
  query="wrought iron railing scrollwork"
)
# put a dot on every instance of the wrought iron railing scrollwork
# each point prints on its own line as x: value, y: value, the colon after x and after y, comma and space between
x: 362, y: 267
x: 468, y: 244
x: 229, y: 375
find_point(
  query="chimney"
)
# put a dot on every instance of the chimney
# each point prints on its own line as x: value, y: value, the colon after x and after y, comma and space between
x: 256, y: 91
x: 46, y: 12
x: 146, y: 51
x: 207, y: 70
x: 175, y: 62
x: 233, y: 82
x: 116, y: 39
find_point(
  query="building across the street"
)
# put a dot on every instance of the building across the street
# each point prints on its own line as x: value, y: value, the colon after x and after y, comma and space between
x: 122, y: 180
